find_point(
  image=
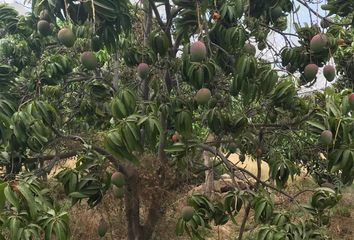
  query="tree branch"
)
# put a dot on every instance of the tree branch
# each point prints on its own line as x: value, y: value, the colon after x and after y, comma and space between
x: 244, y: 220
x: 112, y: 159
x: 157, y: 15
x: 98, y: 149
x: 286, y: 125
x: 233, y: 168
x: 50, y: 157
x: 281, y: 33
x: 317, y: 14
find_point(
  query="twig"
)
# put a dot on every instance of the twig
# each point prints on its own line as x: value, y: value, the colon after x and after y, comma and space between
x: 233, y: 168
x: 317, y: 14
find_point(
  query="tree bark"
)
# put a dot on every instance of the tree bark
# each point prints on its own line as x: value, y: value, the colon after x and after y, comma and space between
x: 155, y: 212
x: 147, y: 21
x: 147, y: 30
x: 137, y: 231
x: 209, y: 176
x: 209, y: 173
x: 244, y: 221
x: 259, y: 176
x: 132, y: 206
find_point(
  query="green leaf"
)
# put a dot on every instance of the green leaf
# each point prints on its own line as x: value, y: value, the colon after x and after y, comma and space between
x: 177, y: 147
x: 73, y: 182
x: 129, y: 139
x: 317, y: 125
x: 180, y: 227
x: 134, y: 130
x: 59, y: 232
x: 259, y: 208
x: 2, y: 196
x: 333, y: 109
x: 77, y: 195
x: 11, y: 197
x: 14, y: 226
x: 334, y: 159
x: 49, y: 230
x: 26, y: 193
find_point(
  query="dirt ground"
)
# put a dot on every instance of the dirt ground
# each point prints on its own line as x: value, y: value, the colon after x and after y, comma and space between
x: 342, y: 222
x: 84, y: 221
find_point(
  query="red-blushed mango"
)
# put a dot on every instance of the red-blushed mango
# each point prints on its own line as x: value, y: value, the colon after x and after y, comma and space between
x: 66, y: 37
x: 174, y: 138
x: 351, y: 101
x: 203, y: 96
x: 89, y: 60
x: 310, y: 71
x: 216, y: 15
x: 329, y: 72
x: 187, y: 213
x: 118, y: 179
x: 118, y: 192
x: 143, y: 70
x: 43, y: 27
x: 250, y: 49
x: 198, y: 51
x: 319, y: 43
x: 326, y: 137
x: 102, y: 228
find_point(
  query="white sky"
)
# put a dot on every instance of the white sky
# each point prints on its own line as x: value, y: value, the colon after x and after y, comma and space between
x: 17, y: 4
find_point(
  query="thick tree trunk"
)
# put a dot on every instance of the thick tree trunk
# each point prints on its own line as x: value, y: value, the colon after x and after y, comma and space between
x: 154, y: 216
x: 137, y: 231
x: 132, y: 207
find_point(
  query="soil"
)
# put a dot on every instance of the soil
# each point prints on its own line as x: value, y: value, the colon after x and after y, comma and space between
x: 84, y: 221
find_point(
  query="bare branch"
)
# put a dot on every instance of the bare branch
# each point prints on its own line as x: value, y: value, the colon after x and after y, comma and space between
x: 287, y: 125
x: 304, y: 3
x: 50, y: 157
x: 233, y: 168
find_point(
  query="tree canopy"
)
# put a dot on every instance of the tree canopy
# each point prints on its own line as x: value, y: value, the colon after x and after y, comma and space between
x: 140, y: 92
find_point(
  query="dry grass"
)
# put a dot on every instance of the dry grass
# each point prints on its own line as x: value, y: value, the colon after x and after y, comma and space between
x: 84, y: 221
x: 342, y: 221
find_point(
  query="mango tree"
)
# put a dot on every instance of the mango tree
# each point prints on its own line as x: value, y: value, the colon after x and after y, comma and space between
x: 134, y: 92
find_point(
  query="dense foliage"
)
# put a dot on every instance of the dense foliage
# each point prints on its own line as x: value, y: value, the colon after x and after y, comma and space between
x: 136, y: 92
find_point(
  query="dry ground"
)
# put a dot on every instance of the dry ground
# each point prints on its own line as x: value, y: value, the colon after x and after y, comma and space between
x: 84, y: 221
